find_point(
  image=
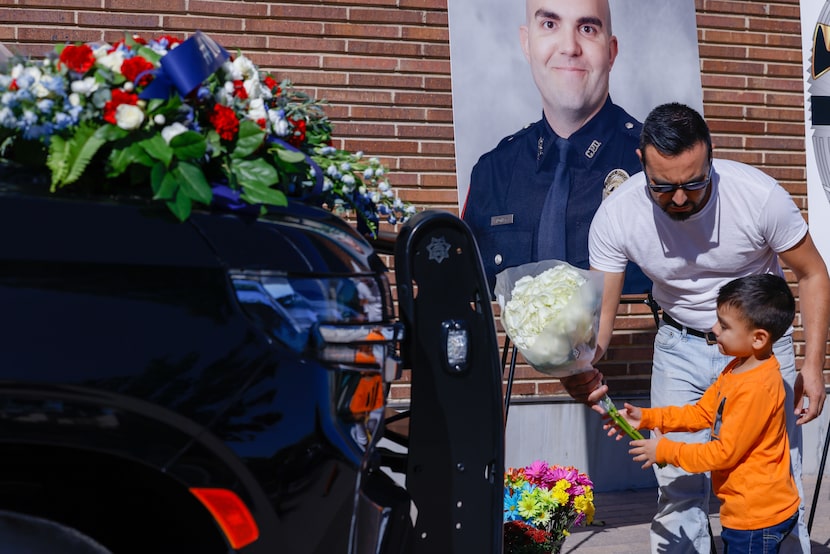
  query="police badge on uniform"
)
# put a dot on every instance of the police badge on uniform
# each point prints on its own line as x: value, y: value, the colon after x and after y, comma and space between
x: 615, y: 178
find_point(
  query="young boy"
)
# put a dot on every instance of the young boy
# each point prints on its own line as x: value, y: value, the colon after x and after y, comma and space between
x: 748, y: 453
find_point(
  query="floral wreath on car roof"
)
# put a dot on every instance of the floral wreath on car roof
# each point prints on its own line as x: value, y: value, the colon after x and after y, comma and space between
x: 199, y: 125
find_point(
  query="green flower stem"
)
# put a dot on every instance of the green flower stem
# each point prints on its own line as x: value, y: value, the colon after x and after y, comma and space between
x: 621, y: 422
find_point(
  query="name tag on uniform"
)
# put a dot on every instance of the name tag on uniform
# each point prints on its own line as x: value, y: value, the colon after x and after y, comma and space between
x: 506, y: 219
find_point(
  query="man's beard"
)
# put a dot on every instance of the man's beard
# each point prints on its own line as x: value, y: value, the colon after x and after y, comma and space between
x: 680, y: 216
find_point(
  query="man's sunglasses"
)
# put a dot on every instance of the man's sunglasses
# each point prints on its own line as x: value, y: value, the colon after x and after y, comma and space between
x: 662, y: 188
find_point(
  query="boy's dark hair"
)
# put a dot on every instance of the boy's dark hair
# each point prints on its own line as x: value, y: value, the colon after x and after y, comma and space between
x: 672, y: 129
x: 764, y: 300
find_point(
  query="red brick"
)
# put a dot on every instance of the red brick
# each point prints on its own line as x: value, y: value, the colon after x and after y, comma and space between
x: 206, y: 24
x: 152, y: 6
x: 56, y: 18
x: 56, y: 35
x: 395, y: 16
x: 296, y: 12
x: 65, y: 4
x: 387, y: 80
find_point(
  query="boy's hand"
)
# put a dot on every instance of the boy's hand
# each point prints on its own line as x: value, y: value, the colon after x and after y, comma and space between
x: 646, y: 450
x: 631, y: 414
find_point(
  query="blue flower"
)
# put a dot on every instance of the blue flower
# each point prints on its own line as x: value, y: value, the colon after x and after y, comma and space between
x: 54, y: 84
x: 35, y: 132
x: 24, y: 81
x: 511, y: 504
x: 45, y: 105
x: 203, y: 93
x: 64, y: 120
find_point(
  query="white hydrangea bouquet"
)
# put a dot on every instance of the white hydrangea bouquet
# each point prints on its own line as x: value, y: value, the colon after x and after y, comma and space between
x: 550, y: 310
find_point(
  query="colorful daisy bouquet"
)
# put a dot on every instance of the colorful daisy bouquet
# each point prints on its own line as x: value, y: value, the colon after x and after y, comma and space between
x: 186, y: 123
x: 541, y: 504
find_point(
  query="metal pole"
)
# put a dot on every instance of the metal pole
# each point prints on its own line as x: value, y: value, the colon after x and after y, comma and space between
x: 818, y: 479
x: 510, y: 373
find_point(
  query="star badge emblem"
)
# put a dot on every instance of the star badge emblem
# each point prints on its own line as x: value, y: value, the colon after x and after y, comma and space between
x: 439, y: 249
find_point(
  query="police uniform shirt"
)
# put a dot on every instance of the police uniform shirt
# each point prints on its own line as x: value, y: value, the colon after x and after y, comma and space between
x: 509, y: 185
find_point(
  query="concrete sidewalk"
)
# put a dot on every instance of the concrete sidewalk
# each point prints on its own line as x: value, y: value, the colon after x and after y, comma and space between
x: 623, y: 519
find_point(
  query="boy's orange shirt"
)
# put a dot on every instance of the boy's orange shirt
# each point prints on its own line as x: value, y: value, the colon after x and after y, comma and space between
x: 748, y: 454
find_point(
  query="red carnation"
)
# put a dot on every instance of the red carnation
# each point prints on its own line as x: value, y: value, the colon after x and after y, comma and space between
x: 239, y: 90
x: 224, y: 121
x: 271, y: 83
x: 134, y: 67
x: 297, y: 137
x: 119, y: 97
x: 521, y: 537
x: 77, y: 58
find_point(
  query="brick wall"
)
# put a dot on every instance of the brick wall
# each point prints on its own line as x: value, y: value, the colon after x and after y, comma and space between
x: 384, y: 67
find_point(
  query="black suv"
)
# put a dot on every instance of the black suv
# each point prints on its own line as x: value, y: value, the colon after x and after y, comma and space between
x: 219, y: 385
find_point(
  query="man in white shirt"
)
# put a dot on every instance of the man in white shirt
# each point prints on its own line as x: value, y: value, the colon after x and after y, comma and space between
x: 692, y: 224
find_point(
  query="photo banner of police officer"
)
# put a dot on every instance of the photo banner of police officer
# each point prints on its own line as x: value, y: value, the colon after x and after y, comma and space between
x: 493, y: 91
x: 815, y: 39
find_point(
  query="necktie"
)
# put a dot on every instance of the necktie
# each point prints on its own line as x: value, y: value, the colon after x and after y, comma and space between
x: 552, y: 235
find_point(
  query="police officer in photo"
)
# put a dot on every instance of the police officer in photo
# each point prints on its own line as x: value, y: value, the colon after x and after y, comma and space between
x: 533, y: 196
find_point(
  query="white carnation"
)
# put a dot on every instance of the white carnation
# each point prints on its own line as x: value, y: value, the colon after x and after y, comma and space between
x: 244, y: 69
x: 112, y: 61
x: 171, y: 131
x: 256, y: 110
x: 85, y: 86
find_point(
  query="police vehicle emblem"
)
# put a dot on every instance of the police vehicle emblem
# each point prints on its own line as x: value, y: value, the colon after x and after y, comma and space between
x: 615, y: 178
x: 439, y: 249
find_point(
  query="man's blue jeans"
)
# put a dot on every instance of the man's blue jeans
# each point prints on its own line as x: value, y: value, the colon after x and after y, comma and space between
x: 684, y: 367
x: 757, y: 541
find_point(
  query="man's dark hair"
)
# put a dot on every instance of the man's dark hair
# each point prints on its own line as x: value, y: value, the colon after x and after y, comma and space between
x: 672, y: 129
x: 764, y: 300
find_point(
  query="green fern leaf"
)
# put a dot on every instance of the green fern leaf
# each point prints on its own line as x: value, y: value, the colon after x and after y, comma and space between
x: 73, y: 158
x: 56, y: 160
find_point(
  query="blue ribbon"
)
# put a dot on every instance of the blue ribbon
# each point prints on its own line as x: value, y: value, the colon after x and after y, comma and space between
x: 186, y: 67
x: 228, y: 199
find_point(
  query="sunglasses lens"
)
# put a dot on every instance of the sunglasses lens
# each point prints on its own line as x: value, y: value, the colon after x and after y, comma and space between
x: 671, y: 188
x: 663, y: 188
x: 696, y: 186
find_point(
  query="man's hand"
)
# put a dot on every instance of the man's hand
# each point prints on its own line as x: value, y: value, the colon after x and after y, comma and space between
x: 808, y: 384
x: 585, y: 387
x: 646, y: 449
